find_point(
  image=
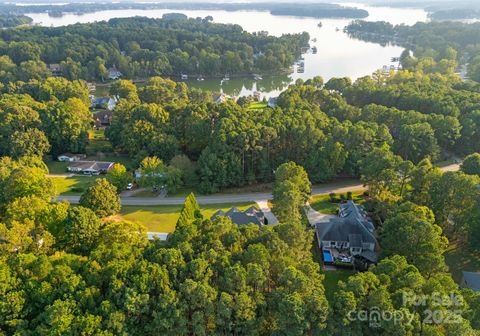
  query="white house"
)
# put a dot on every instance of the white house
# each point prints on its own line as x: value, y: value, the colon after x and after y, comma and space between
x: 69, y: 157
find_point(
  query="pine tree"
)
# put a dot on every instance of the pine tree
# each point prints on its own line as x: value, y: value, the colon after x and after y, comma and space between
x: 190, y: 210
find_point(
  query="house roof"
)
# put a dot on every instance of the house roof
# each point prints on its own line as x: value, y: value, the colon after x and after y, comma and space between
x: 104, y: 117
x: 91, y: 165
x: 352, y: 226
x: 251, y: 215
x: 472, y: 280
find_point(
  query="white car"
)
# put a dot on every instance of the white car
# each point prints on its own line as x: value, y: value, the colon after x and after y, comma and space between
x: 129, y: 186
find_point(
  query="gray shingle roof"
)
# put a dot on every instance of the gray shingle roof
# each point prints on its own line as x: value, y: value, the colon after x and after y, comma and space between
x: 251, y: 215
x: 352, y: 224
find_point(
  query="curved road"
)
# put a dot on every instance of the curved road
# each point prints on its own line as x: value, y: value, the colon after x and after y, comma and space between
x: 340, y: 187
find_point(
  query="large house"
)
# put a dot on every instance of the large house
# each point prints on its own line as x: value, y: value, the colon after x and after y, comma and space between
x: 351, y: 232
x: 250, y: 216
x: 90, y: 167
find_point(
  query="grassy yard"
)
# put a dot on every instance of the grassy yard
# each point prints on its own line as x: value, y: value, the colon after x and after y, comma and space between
x: 331, y: 281
x: 323, y: 204
x: 56, y: 167
x: 460, y: 258
x: 75, y: 185
x: 163, y: 218
x: 257, y: 105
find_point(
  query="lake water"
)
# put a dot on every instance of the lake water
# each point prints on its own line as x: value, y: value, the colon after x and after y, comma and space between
x: 338, y: 55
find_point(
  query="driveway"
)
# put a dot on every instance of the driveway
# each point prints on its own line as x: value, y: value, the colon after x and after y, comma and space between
x: 263, y: 205
x: 314, y: 217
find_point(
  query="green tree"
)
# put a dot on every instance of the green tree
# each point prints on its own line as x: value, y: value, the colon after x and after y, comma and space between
x: 119, y: 177
x: 410, y: 231
x: 190, y: 210
x: 81, y: 230
x: 102, y: 198
x: 32, y: 142
x: 28, y: 181
x: 290, y: 192
x: 471, y: 164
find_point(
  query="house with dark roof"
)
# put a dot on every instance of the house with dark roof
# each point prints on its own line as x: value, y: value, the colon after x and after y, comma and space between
x: 250, y: 216
x: 471, y: 280
x: 90, y: 167
x: 103, y: 118
x: 352, y: 231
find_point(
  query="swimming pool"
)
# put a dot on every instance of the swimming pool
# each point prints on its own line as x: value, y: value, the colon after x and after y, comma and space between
x: 327, y: 256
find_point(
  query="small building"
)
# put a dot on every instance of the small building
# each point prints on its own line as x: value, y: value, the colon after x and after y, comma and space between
x: 90, y: 167
x: 114, y: 74
x: 471, y: 280
x: 250, y: 216
x: 350, y: 233
x: 103, y: 119
x: 55, y: 70
x: 105, y: 103
x: 69, y: 157
x: 272, y: 102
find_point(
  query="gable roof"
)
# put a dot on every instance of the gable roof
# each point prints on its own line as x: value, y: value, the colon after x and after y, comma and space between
x: 352, y: 226
x: 472, y: 280
x: 251, y: 215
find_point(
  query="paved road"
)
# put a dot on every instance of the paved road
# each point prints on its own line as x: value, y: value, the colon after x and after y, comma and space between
x: 340, y: 187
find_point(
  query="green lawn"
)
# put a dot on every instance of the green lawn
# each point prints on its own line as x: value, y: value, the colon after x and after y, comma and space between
x: 257, y: 105
x: 78, y: 183
x: 461, y: 258
x: 163, y: 218
x: 331, y: 281
x: 323, y: 204
x: 56, y: 167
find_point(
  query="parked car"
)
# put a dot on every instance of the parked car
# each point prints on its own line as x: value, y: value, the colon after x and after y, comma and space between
x: 130, y: 186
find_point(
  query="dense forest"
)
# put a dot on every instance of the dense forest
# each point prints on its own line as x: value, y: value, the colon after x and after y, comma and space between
x: 84, y: 270
x: 8, y: 21
x: 141, y: 47
x: 318, y: 10
x: 437, y: 42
